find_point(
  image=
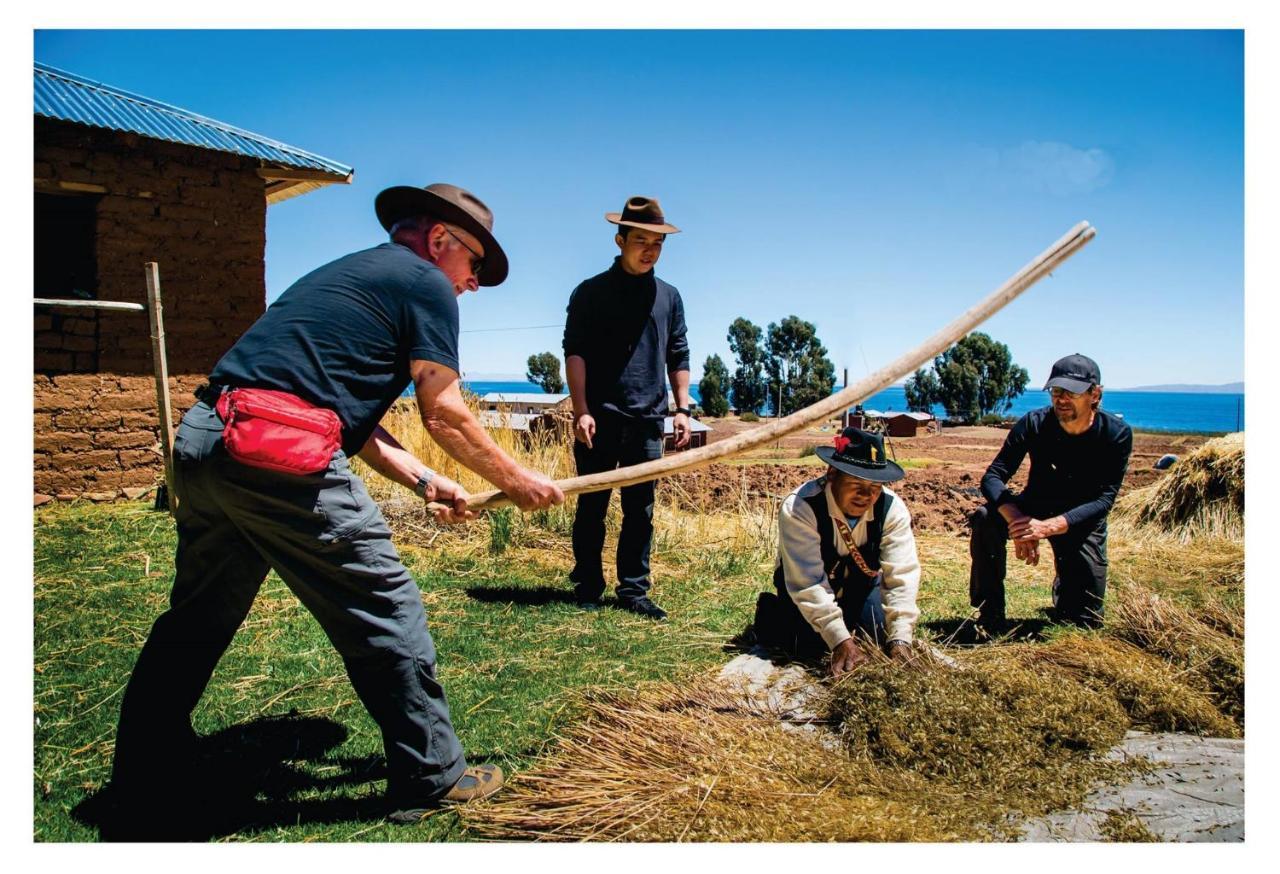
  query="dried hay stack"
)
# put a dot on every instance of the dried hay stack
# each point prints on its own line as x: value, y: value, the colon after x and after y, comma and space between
x: 1206, y: 645
x: 1202, y: 495
x: 692, y: 764
x: 1156, y: 695
x: 929, y: 754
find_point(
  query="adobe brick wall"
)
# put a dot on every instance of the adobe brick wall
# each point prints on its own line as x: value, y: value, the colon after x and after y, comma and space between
x: 97, y: 436
x: 201, y: 215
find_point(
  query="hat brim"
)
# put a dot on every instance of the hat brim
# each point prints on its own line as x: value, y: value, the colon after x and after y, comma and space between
x: 615, y: 218
x: 1078, y: 386
x: 891, y: 472
x: 402, y: 201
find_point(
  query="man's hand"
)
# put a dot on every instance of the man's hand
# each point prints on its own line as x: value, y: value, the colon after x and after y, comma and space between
x: 584, y: 428
x: 445, y: 491
x: 1027, y: 528
x: 845, y: 657
x: 1027, y: 550
x: 680, y: 424
x: 901, y: 653
x: 534, y: 491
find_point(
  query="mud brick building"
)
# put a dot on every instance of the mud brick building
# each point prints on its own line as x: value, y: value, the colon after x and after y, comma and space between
x: 121, y: 180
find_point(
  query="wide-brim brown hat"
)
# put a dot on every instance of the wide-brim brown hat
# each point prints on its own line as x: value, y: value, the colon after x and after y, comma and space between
x: 644, y: 213
x: 451, y: 204
x: 860, y: 454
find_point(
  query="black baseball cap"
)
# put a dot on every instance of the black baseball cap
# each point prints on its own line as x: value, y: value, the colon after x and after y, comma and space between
x: 1076, y: 373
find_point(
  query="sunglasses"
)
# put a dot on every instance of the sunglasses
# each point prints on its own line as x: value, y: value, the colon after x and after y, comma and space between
x: 477, y: 261
x: 1059, y: 392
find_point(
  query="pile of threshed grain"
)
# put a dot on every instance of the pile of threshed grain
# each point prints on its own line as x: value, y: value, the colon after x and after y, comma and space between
x: 929, y: 753
x: 1201, y: 496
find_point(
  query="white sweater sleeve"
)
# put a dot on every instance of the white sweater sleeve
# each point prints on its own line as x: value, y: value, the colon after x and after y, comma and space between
x: 800, y: 553
x: 901, y: 567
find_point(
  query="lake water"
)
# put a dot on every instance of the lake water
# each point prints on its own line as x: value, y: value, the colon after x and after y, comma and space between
x: 1148, y: 411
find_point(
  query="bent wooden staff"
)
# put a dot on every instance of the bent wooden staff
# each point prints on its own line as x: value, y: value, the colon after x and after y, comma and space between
x: 1043, y: 264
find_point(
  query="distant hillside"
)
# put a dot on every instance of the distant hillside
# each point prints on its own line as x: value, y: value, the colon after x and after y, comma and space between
x: 1227, y: 388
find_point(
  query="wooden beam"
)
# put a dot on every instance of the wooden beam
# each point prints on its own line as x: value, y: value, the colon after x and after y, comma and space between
x: 273, y: 174
x: 89, y: 304
x: 1037, y: 269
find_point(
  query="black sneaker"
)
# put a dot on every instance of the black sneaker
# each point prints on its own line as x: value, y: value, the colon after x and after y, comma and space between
x: 993, y: 625
x: 644, y: 607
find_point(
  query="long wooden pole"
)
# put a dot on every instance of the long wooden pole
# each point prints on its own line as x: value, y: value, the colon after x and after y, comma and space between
x: 155, y: 312
x: 1037, y: 269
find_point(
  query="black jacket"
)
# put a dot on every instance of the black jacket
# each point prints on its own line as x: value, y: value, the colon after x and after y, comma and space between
x: 630, y: 331
x: 1076, y: 475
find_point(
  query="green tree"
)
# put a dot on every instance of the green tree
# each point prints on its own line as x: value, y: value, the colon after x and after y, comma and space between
x: 921, y: 389
x: 750, y: 391
x: 714, y: 386
x: 800, y: 373
x: 974, y: 378
x: 544, y: 369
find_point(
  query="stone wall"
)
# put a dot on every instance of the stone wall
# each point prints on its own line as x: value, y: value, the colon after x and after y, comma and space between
x: 201, y: 215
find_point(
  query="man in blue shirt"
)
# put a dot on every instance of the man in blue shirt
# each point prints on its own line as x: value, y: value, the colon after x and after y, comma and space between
x: 623, y: 338
x: 348, y: 337
x: 1079, y: 455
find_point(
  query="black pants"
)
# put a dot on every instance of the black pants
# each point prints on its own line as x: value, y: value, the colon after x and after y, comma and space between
x: 618, y: 442
x: 328, y: 541
x: 1079, y: 558
x: 780, y: 624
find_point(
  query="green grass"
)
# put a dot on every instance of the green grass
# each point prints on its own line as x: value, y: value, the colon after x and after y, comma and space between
x: 514, y: 654
x: 512, y: 658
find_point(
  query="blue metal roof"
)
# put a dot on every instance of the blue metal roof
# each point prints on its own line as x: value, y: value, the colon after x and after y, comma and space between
x: 67, y: 97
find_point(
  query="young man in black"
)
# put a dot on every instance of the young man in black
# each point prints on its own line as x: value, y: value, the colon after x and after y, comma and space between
x: 1078, y: 459
x: 625, y: 332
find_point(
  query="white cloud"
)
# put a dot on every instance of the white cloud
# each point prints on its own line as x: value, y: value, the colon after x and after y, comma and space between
x: 1057, y: 169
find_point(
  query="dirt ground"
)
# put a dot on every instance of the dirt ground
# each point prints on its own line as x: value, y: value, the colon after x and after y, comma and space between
x: 943, y: 469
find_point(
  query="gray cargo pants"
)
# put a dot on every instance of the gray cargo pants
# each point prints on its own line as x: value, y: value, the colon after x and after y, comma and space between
x: 328, y: 541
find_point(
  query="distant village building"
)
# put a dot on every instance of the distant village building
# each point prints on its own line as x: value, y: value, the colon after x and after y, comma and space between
x: 894, y: 424
x: 908, y: 424
x: 121, y: 180
x: 527, y: 402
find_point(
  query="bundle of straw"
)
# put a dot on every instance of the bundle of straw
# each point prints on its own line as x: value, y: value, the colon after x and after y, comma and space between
x: 1206, y: 644
x: 1152, y: 692
x: 1202, y: 495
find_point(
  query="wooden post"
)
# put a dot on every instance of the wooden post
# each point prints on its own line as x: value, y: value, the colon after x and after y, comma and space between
x: 155, y: 312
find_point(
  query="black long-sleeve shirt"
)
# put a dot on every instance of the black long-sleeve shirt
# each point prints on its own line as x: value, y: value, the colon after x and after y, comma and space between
x: 630, y: 331
x: 1075, y: 475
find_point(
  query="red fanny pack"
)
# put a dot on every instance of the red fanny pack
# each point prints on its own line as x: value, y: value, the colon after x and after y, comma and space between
x: 277, y: 431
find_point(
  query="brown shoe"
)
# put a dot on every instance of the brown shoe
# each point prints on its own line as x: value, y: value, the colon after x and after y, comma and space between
x: 476, y: 782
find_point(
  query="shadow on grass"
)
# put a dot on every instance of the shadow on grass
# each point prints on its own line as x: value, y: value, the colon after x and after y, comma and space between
x: 963, y: 631
x: 246, y: 778
x: 536, y: 596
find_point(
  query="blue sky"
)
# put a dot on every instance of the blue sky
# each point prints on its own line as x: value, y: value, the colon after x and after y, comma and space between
x: 875, y: 183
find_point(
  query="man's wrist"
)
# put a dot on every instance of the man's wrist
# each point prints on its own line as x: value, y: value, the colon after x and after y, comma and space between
x: 424, y: 483
x: 684, y: 411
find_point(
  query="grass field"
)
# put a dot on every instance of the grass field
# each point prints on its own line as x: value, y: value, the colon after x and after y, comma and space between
x: 515, y: 654
x: 300, y: 759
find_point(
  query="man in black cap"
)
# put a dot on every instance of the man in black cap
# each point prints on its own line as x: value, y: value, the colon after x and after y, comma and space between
x: 624, y: 337
x: 346, y: 339
x: 847, y: 561
x: 1079, y: 454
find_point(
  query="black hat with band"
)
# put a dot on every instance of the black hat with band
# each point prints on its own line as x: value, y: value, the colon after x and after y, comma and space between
x: 860, y: 454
